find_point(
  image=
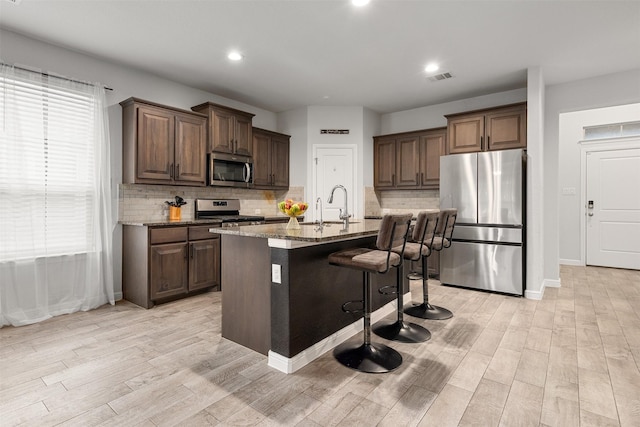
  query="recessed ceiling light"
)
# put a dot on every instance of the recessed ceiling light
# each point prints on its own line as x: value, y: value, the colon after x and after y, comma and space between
x: 359, y: 2
x: 234, y: 56
x: 430, y: 68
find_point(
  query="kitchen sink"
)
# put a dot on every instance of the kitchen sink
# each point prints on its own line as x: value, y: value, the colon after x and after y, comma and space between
x: 329, y: 222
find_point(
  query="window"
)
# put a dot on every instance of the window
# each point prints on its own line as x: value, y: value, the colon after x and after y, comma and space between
x: 617, y: 130
x: 47, y: 162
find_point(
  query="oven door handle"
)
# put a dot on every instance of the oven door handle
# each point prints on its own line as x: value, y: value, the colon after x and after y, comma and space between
x: 246, y: 173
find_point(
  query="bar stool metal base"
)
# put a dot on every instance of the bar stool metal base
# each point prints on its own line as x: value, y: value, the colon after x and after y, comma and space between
x: 414, y: 275
x: 428, y: 311
x: 403, y: 332
x: 373, y: 358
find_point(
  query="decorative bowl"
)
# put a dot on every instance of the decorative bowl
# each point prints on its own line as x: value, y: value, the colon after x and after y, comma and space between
x: 292, y: 210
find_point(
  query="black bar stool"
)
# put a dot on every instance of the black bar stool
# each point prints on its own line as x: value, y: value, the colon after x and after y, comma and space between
x: 372, y: 357
x: 399, y: 330
x: 439, y: 240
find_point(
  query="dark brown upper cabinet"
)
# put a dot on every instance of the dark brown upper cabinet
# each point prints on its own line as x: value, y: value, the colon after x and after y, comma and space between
x: 229, y: 130
x: 162, y: 145
x: 270, y: 159
x: 408, y: 160
x: 499, y: 128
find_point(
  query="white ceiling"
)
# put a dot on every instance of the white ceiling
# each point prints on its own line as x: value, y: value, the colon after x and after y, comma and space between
x: 305, y: 52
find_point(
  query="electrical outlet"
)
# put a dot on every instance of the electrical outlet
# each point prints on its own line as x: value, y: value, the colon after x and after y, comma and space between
x: 275, y: 273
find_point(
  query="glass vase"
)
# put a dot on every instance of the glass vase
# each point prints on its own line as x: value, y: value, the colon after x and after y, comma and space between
x: 293, y: 224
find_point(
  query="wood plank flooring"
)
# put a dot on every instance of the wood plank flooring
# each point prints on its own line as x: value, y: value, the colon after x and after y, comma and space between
x: 571, y: 359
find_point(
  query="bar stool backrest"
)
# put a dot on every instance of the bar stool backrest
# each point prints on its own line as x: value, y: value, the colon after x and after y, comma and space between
x: 424, y: 230
x: 446, y: 222
x: 393, y: 233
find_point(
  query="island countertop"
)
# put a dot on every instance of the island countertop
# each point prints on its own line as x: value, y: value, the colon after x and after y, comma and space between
x: 308, y: 231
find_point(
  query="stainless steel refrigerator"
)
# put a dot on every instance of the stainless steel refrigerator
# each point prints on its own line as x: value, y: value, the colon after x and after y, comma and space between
x: 488, y: 248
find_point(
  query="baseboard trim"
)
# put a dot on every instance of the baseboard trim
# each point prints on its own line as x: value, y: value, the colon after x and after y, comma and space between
x: 535, y: 295
x: 289, y: 365
x: 552, y: 283
x: 575, y: 262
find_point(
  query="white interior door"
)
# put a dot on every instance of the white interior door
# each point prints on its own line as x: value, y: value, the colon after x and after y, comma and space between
x: 613, y: 208
x: 334, y: 166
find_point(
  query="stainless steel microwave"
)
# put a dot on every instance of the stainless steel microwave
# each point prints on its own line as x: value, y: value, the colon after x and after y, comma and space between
x: 230, y: 170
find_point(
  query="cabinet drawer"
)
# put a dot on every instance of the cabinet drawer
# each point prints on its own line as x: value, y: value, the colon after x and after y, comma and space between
x: 201, y: 232
x: 168, y: 235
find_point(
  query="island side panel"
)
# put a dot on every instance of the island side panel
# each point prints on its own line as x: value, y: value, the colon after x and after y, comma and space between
x: 246, y: 291
x: 306, y: 306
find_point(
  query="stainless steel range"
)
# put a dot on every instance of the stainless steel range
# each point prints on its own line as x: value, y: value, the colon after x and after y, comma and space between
x: 227, y: 211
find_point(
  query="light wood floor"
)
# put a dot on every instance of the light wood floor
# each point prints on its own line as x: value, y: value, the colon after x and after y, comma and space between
x: 570, y: 359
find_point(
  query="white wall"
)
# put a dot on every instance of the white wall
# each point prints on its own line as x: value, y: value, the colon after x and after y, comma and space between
x: 535, y: 243
x: 562, y: 167
x: 371, y: 128
x: 433, y: 115
x: 570, y: 132
x: 126, y: 82
x: 294, y: 123
x: 351, y: 118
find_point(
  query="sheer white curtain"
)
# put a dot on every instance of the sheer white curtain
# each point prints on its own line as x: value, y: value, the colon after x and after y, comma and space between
x: 55, y: 216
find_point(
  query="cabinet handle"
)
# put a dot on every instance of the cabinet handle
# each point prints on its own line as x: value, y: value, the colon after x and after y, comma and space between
x: 488, y: 141
x: 177, y: 171
x: 481, y: 143
x: 273, y: 178
x: 421, y: 177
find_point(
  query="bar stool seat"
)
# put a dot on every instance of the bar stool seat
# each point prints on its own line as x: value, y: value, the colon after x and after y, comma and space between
x: 372, y: 357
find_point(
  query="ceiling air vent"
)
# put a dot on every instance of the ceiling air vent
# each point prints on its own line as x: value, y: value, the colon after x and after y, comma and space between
x: 438, y: 77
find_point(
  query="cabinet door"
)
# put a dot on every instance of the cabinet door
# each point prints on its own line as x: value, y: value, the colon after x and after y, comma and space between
x: 466, y: 134
x: 431, y: 148
x: 384, y: 163
x: 168, y: 275
x: 280, y: 162
x: 242, y: 136
x: 204, y: 264
x: 507, y: 129
x: 408, y: 162
x: 190, y: 154
x: 261, y: 159
x: 155, y: 144
x: 222, y: 131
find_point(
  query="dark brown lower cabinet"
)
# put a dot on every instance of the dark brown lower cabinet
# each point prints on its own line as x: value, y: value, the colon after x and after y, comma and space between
x: 163, y: 263
x: 168, y: 270
x: 204, y: 264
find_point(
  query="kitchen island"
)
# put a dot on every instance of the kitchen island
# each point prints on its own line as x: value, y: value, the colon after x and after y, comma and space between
x: 282, y: 298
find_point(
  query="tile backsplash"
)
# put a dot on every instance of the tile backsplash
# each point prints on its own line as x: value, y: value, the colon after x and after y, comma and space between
x: 138, y: 202
x: 378, y: 203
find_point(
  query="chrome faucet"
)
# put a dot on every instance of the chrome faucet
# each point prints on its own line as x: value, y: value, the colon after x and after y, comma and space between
x: 321, y: 223
x: 344, y: 215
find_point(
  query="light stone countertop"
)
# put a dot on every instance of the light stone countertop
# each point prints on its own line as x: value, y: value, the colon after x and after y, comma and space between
x: 167, y: 222
x: 307, y: 232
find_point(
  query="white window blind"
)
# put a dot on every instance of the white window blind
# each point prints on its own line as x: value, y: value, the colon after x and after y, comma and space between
x: 47, y: 162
